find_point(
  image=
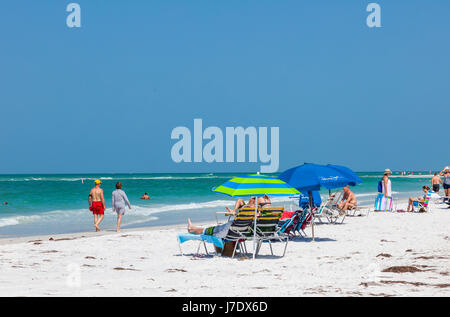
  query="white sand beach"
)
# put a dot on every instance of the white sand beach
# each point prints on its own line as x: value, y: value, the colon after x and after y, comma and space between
x: 383, y: 254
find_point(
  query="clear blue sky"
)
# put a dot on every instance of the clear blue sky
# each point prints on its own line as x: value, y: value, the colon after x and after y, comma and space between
x: 105, y: 97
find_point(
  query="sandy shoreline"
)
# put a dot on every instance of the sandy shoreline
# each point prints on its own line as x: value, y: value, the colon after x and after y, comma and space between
x: 364, y: 256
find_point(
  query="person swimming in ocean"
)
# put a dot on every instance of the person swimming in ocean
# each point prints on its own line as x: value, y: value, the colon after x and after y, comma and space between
x: 145, y: 196
x: 97, y: 204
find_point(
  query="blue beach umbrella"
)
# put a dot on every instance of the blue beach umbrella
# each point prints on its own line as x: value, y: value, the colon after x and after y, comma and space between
x: 311, y: 177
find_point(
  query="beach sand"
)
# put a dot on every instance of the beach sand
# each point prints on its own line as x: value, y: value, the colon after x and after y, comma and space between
x: 383, y: 254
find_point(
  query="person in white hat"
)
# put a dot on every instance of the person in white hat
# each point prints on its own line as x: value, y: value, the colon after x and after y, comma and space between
x: 386, y: 190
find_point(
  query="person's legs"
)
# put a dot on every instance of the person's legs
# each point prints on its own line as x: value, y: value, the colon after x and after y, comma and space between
x: 193, y: 229
x: 100, y: 218
x: 410, y: 204
x: 95, y: 222
x: 119, y: 221
x: 239, y: 203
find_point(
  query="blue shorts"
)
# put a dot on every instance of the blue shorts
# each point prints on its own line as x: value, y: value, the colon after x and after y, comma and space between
x: 446, y: 186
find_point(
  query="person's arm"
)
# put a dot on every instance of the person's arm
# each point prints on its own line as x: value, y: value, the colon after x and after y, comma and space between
x: 103, y: 200
x: 90, y: 199
x: 385, y: 181
x: 112, y: 201
x: 126, y: 200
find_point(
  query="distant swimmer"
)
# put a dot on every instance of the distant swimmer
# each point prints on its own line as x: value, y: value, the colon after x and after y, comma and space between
x: 5, y: 203
x: 97, y: 204
x: 145, y: 196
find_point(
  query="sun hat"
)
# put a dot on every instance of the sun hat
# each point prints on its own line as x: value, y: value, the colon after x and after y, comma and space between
x: 387, y: 171
x: 97, y: 181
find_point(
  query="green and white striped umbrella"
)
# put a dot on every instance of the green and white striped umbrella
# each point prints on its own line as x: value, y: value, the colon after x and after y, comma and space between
x: 256, y: 185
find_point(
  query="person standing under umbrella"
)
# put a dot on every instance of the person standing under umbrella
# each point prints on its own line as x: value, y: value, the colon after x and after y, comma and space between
x: 119, y: 199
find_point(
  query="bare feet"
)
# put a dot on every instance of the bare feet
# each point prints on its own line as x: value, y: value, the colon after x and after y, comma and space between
x: 97, y: 229
x: 189, y: 225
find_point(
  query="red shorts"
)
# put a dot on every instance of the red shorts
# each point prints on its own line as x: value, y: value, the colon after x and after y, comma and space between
x: 97, y: 208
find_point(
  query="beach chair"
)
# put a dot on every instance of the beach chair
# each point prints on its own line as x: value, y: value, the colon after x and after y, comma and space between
x: 425, y: 206
x: 239, y: 231
x: 329, y: 209
x: 305, y: 220
x: 288, y: 226
x: 352, y: 211
x: 267, y: 229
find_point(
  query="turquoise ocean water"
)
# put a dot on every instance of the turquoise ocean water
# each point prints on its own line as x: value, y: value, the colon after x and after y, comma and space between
x: 51, y: 204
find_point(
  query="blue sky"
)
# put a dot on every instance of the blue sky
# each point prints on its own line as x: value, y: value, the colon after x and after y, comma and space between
x: 105, y: 97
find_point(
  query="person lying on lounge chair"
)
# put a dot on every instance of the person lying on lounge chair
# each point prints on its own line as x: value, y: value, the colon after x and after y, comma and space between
x: 241, y: 203
x: 418, y: 199
x: 264, y: 201
x: 219, y: 231
x: 348, y: 201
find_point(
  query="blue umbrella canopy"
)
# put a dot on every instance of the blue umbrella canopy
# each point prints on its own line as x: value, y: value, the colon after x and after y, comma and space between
x: 310, y: 177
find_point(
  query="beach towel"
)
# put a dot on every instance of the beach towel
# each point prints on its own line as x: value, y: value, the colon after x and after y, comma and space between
x: 183, y: 237
x: 286, y: 215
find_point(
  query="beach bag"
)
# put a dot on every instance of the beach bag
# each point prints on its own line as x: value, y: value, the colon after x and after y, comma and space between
x: 380, y: 186
x: 386, y: 203
x: 378, y: 201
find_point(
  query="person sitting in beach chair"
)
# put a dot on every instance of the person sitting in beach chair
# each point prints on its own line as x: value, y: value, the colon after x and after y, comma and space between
x: 348, y: 201
x: 241, y: 203
x: 420, y: 202
x: 264, y: 202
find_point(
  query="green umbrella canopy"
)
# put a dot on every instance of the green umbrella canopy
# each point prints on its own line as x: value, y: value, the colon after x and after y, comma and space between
x: 255, y: 185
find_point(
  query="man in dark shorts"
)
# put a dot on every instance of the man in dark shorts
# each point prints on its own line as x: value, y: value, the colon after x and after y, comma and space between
x: 435, y: 183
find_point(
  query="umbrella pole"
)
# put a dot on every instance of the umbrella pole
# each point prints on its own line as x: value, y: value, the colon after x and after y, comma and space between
x: 254, y: 228
x: 312, y: 213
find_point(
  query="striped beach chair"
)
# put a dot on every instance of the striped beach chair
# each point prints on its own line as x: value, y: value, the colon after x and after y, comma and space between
x: 267, y: 229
